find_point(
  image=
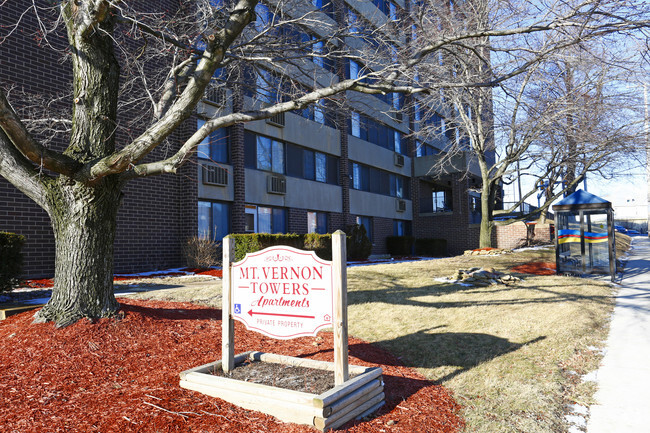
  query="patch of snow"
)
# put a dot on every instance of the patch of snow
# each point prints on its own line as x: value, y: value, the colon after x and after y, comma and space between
x: 391, y: 261
x: 579, y: 409
x: 592, y: 376
x: 539, y: 247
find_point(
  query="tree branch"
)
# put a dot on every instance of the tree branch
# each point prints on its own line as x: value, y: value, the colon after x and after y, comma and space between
x: 217, y: 44
x: 20, y: 172
x: 30, y: 148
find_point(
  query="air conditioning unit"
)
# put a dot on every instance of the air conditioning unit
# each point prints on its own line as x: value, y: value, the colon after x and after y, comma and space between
x: 399, y: 160
x: 215, y: 96
x: 276, y: 185
x: 213, y: 175
x: 400, y: 205
x: 277, y: 120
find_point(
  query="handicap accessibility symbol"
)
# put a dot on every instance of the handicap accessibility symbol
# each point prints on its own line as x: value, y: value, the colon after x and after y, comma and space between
x: 237, y: 309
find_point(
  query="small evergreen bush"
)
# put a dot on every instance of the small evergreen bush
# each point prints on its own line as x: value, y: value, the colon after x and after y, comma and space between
x: 431, y: 247
x: 11, y: 260
x: 400, y: 245
x: 358, y: 243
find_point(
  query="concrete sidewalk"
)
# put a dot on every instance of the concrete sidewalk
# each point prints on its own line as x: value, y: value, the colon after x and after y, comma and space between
x: 624, y: 377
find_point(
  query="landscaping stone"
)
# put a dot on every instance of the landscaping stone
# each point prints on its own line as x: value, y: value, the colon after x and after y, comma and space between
x: 487, y: 252
x: 483, y: 277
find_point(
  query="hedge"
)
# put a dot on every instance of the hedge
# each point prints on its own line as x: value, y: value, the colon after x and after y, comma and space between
x: 400, y: 245
x: 11, y: 260
x: 358, y: 244
x: 431, y: 247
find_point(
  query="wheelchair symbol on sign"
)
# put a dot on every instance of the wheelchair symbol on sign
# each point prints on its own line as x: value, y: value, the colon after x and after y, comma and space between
x: 237, y: 309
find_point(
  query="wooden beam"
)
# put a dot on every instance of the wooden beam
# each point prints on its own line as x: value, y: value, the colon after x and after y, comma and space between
x: 340, y: 293
x: 334, y: 394
x: 227, y: 322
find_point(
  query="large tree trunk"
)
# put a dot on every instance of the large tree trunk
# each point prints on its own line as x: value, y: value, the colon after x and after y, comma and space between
x: 84, y: 222
x: 84, y: 215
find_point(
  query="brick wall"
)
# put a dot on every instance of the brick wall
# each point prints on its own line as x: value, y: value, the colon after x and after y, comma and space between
x: 519, y: 234
x: 382, y: 227
x: 453, y: 226
x: 157, y: 214
x: 297, y: 221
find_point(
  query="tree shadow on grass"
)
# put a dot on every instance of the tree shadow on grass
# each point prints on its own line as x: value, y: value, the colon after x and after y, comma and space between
x: 458, y: 351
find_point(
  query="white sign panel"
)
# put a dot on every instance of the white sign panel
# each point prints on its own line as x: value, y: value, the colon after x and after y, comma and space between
x: 282, y: 292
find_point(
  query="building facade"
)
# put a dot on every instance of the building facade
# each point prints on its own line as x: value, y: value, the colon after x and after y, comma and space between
x: 315, y: 170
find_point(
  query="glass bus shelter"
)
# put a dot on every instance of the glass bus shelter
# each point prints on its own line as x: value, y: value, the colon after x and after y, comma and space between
x: 584, y: 241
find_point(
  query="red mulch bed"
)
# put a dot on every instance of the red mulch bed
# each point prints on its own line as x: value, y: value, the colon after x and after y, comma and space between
x: 122, y: 376
x: 536, y: 268
x: 45, y: 283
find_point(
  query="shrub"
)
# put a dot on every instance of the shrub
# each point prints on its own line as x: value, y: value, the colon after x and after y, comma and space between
x: 202, y: 253
x: 251, y: 242
x: 431, y: 247
x: 358, y: 243
x: 321, y: 244
x: 400, y: 245
x: 11, y: 260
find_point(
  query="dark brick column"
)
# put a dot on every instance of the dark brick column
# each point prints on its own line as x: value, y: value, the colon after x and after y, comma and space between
x: 238, y: 217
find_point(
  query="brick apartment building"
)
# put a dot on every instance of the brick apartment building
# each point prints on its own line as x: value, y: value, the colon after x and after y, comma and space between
x: 317, y: 170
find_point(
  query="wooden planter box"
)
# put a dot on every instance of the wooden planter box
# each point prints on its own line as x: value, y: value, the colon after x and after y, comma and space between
x: 355, y: 398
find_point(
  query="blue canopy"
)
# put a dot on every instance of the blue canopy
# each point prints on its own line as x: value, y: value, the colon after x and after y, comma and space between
x: 582, y: 199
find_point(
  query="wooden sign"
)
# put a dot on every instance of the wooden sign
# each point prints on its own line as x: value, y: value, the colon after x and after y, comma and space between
x: 282, y: 292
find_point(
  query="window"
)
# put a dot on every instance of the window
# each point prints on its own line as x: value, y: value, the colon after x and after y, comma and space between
x: 311, y: 165
x: 474, y: 207
x: 316, y: 222
x: 214, y: 220
x: 442, y: 201
x: 371, y: 179
x: 215, y: 146
x: 396, y: 186
x: 424, y: 149
x: 270, y: 154
x: 269, y: 219
x: 309, y: 170
x: 363, y: 127
x: 401, y: 228
x: 366, y: 222
x: 321, y: 167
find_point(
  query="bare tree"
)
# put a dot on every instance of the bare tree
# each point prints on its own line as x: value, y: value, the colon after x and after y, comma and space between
x: 138, y: 70
x: 544, y: 110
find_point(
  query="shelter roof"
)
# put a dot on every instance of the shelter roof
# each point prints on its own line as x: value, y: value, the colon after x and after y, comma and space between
x: 582, y: 200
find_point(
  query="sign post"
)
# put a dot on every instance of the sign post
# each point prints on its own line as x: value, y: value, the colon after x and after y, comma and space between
x: 339, y: 265
x: 227, y: 323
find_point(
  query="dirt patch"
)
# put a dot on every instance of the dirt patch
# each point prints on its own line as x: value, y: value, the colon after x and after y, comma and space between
x: 312, y: 380
x: 536, y: 268
x: 123, y: 376
x: 44, y: 283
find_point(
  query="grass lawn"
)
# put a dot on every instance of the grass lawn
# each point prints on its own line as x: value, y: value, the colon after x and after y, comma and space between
x: 513, y: 355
